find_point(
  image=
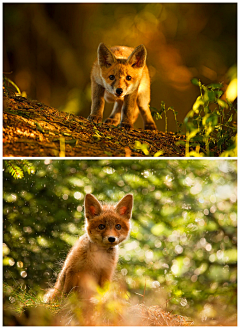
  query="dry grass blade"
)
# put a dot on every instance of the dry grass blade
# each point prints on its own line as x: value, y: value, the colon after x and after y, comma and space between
x: 155, y: 316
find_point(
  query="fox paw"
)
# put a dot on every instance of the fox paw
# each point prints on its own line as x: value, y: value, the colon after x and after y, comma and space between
x: 150, y: 126
x: 111, y: 121
x: 95, y: 118
x: 126, y: 125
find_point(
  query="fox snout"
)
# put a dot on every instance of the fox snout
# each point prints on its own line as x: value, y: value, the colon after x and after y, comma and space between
x: 111, y: 239
x: 119, y: 91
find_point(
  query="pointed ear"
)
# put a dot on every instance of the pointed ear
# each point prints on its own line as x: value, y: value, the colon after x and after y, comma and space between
x: 92, y: 206
x: 124, y: 206
x: 138, y: 57
x: 105, y: 56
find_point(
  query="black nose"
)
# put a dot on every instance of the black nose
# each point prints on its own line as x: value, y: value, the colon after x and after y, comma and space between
x: 111, y: 239
x: 119, y: 91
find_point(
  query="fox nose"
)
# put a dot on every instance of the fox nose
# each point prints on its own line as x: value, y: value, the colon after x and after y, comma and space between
x: 119, y: 91
x: 111, y: 239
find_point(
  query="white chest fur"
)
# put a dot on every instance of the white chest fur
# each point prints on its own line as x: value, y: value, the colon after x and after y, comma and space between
x: 102, y: 258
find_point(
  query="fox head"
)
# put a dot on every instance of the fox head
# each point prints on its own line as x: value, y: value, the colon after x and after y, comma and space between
x: 121, y: 76
x: 108, y: 225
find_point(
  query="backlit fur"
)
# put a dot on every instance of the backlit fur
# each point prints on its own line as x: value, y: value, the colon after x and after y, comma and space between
x: 121, y: 62
x: 93, y: 259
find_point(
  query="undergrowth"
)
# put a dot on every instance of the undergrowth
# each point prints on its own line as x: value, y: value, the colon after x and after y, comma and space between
x: 209, y: 126
x: 111, y: 306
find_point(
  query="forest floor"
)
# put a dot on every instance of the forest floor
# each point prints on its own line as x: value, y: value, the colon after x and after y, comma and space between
x: 21, y: 308
x: 32, y: 129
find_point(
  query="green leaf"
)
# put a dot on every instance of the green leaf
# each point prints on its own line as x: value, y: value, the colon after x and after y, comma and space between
x: 222, y: 103
x: 199, y: 102
x: 163, y: 105
x: 143, y: 147
x: 218, y: 93
x: 230, y: 119
x: 215, y: 85
x: 209, y: 96
x: 158, y: 153
x: 210, y: 119
x: 195, y: 82
x: 195, y: 154
x: 192, y: 133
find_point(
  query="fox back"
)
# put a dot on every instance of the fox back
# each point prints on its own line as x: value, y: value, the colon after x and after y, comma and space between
x: 120, y: 75
x: 92, y: 261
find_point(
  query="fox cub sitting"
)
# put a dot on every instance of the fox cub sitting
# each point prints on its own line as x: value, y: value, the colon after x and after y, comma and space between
x: 120, y: 75
x: 92, y: 261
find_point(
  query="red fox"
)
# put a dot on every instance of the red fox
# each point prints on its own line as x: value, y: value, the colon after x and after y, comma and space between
x: 120, y: 75
x: 92, y: 261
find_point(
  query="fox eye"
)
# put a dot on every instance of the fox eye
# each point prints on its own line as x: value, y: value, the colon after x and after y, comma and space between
x: 101, y: 226
x: 111, y: 77
x: 129, y: 77
x: 118, y: 227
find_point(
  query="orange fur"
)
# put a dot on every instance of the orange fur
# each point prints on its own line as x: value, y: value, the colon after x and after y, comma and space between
x: 93, y: 259
x: 120, y: 75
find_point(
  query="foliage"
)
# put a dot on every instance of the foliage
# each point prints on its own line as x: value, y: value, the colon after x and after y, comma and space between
x: 183, y: 238
x: 157, y: 114
x: 17, y: 168
x: 209, y: 124
x: 211, y: 120
x: 8, y: 83
x: 109, y: 306
x: 143, y: 147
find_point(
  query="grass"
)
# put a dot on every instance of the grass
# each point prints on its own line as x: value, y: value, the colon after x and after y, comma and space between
x: 115, y: 306
x: 109, y: 307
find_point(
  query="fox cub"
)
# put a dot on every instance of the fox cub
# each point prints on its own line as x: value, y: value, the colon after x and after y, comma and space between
x: 120, y: 75
x: 92, y: 261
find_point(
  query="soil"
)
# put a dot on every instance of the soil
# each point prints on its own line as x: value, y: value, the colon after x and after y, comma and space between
x: 32, y: 129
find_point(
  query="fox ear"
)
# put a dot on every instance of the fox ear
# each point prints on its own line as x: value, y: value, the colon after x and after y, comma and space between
x: 92, y: 206
x: 138, y: 57
x: 105, y: 56
x: 124, y: 206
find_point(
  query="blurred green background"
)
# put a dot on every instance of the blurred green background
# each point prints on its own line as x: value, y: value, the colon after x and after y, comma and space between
x: 50, y: 48
x: 183, y: 241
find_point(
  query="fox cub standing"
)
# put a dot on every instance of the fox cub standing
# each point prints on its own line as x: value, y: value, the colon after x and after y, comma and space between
x: 93, y: 259
x: 120, y: 75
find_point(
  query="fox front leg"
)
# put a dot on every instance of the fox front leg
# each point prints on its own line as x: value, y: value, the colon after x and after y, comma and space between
x: 143, y: 105
x: 128, y: 110
x: 98, y: 102
x: 115, y: 116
